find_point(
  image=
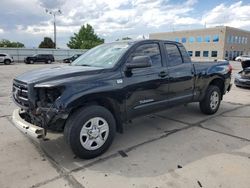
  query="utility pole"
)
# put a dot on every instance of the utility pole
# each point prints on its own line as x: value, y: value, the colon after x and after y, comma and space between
x: 54, y: 13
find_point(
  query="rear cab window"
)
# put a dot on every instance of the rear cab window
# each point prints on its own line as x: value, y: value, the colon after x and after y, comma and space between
x: 173, y: 54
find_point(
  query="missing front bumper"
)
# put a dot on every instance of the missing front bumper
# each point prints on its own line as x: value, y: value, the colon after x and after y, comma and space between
x: 26, y: 127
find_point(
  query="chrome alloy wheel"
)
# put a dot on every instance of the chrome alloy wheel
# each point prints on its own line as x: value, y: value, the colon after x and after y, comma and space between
x: 94, y: 133
x: 214, y: 100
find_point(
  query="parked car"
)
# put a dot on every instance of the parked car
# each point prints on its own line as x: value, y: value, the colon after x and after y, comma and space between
x: 109, y: 85
x: 72, y: 58
x: 243, y: 58
x: 6, y: 58
x: 242, y: 79
x: 47, y: 58
x: 245, y: 64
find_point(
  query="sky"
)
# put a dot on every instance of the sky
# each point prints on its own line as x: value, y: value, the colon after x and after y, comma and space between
x: 26, y: 21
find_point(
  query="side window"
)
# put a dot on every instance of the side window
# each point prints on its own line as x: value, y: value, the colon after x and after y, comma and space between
x: 150, y: 50
x: 174, y: 55
x: 2, y: 55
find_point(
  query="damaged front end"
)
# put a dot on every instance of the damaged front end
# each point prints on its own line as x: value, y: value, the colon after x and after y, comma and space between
x: 42, y: 110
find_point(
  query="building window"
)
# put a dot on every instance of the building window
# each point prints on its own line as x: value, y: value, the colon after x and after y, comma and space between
x: 214, y: 53
x: 242, y: 40
x: 205, y: 53
x: 176, y: 39
x: 183, y: 40
x: 190, y: 53
x: 239, y: 40
x: 236, y: 39
x: 197, y: 53
x: 191, y: 39
x: 216, y: 38
x: 207, y: 39
x: 199, y: 39
x: 228, y: 39
x: 246, y: 40
x: 226, y: 54
x: 231, y: 39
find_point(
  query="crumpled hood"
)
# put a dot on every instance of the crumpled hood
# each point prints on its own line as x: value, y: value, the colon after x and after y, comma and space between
x: 54, y: 73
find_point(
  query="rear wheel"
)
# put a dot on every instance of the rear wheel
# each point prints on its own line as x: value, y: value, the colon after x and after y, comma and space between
x: 90, y: 131
x: 7, y: 62
x: 211, y: 102
x: 31, y: 62
x: 49, y: 61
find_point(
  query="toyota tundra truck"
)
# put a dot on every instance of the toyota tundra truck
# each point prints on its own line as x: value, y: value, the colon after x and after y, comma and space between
x: 90, y: 99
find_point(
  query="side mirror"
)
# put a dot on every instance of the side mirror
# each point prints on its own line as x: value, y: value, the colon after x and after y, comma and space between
x: 139, y: 62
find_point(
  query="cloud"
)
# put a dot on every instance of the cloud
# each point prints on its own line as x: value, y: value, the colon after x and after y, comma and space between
x: 235, y: 15
x: 52, y: 4
x: 113, y: 19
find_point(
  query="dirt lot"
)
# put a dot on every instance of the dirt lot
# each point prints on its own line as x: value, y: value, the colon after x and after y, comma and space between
x: 179, y: 147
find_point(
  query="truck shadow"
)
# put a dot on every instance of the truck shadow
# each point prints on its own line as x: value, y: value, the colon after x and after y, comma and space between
x: 151, y: 145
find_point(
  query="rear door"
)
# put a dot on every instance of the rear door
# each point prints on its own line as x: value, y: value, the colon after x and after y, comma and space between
x: 144, y: 89
x: 181, y: 75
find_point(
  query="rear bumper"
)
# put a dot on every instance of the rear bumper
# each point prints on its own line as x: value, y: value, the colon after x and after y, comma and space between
x: 26, y: 127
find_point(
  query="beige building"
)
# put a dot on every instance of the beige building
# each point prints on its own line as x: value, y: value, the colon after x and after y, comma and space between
x: 211, y: 43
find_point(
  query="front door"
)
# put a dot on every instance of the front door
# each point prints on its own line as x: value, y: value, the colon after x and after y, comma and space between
x: 144, y: 86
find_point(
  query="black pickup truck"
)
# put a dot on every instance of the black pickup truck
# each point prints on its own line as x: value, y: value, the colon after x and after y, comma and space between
x: 111, y: 84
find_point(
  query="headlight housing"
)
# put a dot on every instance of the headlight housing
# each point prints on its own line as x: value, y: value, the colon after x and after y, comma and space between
x: 48, y: 95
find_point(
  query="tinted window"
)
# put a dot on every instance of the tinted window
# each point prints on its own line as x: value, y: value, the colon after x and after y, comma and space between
x: 150, y: 50
x: 214, y: 53
x: 2, y: 55
x: 174, y: 55
x: 190, y: 53
x: 205, y: 54
x: 216, y: 38
x: 207, y: 39
x: 191, y: 39
x: 183, y: 40
x: 185, y: 55
x: 197, y: 53
x: 199, y: 39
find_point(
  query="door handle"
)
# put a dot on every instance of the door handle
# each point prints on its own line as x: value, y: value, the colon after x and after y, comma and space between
x: 163, y: 74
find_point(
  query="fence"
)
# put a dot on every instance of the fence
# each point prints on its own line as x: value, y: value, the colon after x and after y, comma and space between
x: 19, y: 54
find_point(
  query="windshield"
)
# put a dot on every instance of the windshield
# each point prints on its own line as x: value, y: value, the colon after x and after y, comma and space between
x: 105, y: 55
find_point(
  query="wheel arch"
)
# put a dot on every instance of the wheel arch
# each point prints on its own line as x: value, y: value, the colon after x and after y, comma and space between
x: 109, y: 103
x: 219, y: 82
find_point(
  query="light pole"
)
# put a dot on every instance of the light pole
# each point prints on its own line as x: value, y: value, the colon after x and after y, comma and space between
x: 54, y: 13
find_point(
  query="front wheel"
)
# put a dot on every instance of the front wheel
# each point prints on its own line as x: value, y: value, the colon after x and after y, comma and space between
x: 211, y: 102
x: 90, y: 131
x: 7, y: 62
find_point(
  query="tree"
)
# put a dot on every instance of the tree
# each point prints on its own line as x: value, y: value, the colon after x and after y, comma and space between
x: 8, y: 44
x: 85, y: 38
x: 47, y: 43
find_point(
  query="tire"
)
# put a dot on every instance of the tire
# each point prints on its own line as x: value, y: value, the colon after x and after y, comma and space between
x: 83, y: 122
x: 31, y: 62
x: 49, y: 61
x: 211, y: 102
x: 7, y: 61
